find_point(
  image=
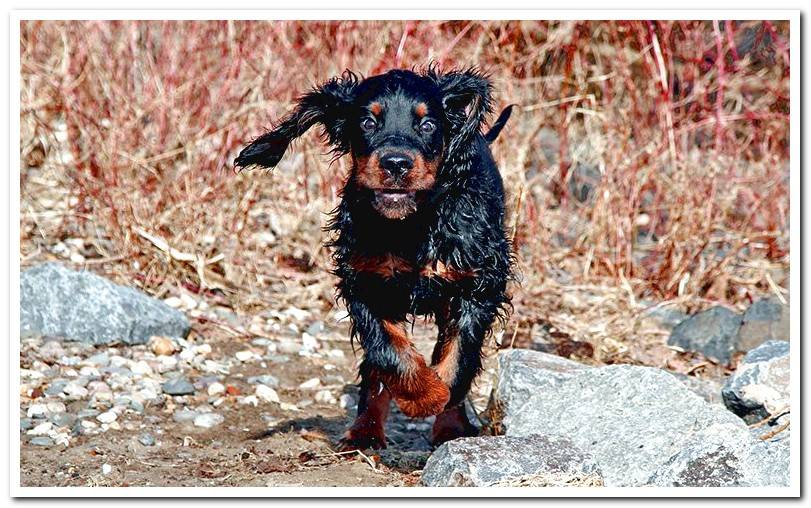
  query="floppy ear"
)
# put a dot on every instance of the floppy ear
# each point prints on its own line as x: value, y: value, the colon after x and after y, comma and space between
x: 467, y: 99
x: 327, y: 104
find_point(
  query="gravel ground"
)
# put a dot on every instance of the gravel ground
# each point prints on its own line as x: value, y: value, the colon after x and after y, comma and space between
x: 222, y: 408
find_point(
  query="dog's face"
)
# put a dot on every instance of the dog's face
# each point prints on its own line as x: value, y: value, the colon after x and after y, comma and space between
x: 399, y: 127
x: 397, y: 141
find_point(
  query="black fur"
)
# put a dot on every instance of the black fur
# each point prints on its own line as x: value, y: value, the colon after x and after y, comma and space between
x: 457, y: 222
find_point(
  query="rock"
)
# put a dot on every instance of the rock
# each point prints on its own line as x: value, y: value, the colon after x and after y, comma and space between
x: 310, y: 384
x: 325, y: 397
x: 62, y: 419
x: 106, y: 469
x: 712, y: 332
x: 208, y: 420
x: 267, y: 394
x: 162, y: 346
x: 633, y: 420
x: 107, y: 417
x: 764, y: 320
x: 84, y: 307
x: 37, y: 411
x: 27, y: 424
x: 178, y: 386
x: 347, y: 401
x: 41, y: 441
x: 184, y: 415
x: 215, y: 389
x: 761, y: 386
x: 583, y: 180
x: 711, y: 459
x: 75, y: 391
x: 522, y: 373
x: 265, y: 379
x: 541, y: 460
x: 146, y: 439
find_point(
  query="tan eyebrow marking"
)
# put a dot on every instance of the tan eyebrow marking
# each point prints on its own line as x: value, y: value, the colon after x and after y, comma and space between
x: 421, y: 109
x: 376, y: 108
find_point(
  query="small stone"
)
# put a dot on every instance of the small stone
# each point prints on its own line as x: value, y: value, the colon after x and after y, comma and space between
x: 41, y: 429
x: 325, y: 397
x: 308, y: 342
x: 265, y: 379
x: 267, y: 394
x: 208, y: 420
x: 310, y: 384
x: 75, y: 391
x: 202, y: 349
x: 107, y: 417
x: 99, y: 360
x: 335, y: 353
x: 760, y: 387
x: 88, y: 424
x: 250, y: 399
x: 288, y: 407
x: 346, y: 401
x: 178, y: 386
x: 62, y: 419
x: 106, y: 469
x: 146, y: 439
x: 184, y: 415
x: 141, y: 368
x: 42, y: 441
x: 173, y: 302
x: 56, y: 388
x: 216, y: 389
x: 712, y: 332
x: 261, y: 342
x: 37, y: 411
x: 87, y: 413
x: 244, y: 356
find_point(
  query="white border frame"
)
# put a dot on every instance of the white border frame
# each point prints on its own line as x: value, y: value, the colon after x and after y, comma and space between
x: 793, y: 16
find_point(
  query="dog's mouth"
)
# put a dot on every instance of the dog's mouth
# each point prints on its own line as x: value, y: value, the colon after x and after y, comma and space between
x: 394, y: 203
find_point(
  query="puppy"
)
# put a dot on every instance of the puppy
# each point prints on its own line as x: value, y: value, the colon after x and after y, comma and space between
x: 419, y: 231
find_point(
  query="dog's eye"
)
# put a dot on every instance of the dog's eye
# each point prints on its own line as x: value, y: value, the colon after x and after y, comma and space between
x: 427, y: 127
x: 368, y: 124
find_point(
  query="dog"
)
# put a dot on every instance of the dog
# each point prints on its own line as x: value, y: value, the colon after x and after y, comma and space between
x: 419, y: 231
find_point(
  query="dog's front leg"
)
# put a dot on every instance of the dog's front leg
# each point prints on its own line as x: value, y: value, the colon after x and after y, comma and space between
x: 390, y: 355
x: 463, y: 324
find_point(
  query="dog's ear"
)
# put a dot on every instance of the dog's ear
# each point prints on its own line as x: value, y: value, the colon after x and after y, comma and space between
x: 327, y: 104
x: 466, y: 99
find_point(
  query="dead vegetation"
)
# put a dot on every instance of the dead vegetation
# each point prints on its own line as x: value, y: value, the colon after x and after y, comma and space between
x: 646, y: 165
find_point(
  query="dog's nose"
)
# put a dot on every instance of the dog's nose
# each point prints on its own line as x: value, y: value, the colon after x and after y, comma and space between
x: 397, y: 164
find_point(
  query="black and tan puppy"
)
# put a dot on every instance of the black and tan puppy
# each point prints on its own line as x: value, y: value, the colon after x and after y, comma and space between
x: 419, y: 231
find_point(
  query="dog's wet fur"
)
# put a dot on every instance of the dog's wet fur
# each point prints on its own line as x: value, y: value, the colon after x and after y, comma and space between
x: 419, y: 231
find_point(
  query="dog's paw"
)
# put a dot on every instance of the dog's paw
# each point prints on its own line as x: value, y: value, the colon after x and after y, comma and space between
x: 362, y: 438
x: 452, y: 424
x: 426, y: 397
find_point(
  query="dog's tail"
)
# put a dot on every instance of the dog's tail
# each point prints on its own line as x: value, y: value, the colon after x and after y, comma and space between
x: 499, y: 124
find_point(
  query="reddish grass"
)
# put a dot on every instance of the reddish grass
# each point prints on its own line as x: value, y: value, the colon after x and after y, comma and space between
x: 131, y: 127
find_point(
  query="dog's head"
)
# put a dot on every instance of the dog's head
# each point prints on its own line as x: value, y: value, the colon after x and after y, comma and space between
x: 399, y: 128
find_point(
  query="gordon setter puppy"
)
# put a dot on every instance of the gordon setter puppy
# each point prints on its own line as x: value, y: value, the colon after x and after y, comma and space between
x: 419, y: 231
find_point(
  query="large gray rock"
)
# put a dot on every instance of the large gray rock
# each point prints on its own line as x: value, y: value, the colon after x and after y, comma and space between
x: 712, y: 332
x: 639, y: 423
x: 761, y: 386
x: 711, y: 459
x: 764, y: 320
x: 84, y: 307
x: 522, y: 373
x: 538, y: 460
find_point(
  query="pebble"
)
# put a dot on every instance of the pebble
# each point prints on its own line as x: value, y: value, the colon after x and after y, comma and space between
x: 99, y: 360
x: 310, y: 384
x: 161, y: 346
x: 75, y: 390
x: 62, y: 419
x: 87, y: 413
x: 184, y: 415
x: 107, y: 417
x: 141, y: 368
x: 325, y: 396
x: 56, y: 387
x: 267, y: 394
x: 26, y: 424
x: 250, y: 399
x: 244, y: 356
x: 37, y: 411
x: 288, y: 407
x: 178, y: 386
x: 261, y: 342
x: 41, y: 441
x: 89, y: 424
x: 216, y: 389
x: 335, y: 353
x: 346, y: 401
x: 106, y: 469
x: 308, y: 342
x: 146, y: 439
x: 41, y: 429
x: 265, y: 379
x: 208, y: 420
x: 202, y: 349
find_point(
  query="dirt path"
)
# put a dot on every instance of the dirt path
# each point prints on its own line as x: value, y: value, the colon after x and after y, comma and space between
x: 265, y: 445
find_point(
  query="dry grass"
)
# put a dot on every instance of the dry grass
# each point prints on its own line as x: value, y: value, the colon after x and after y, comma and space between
x: 641, y: 166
